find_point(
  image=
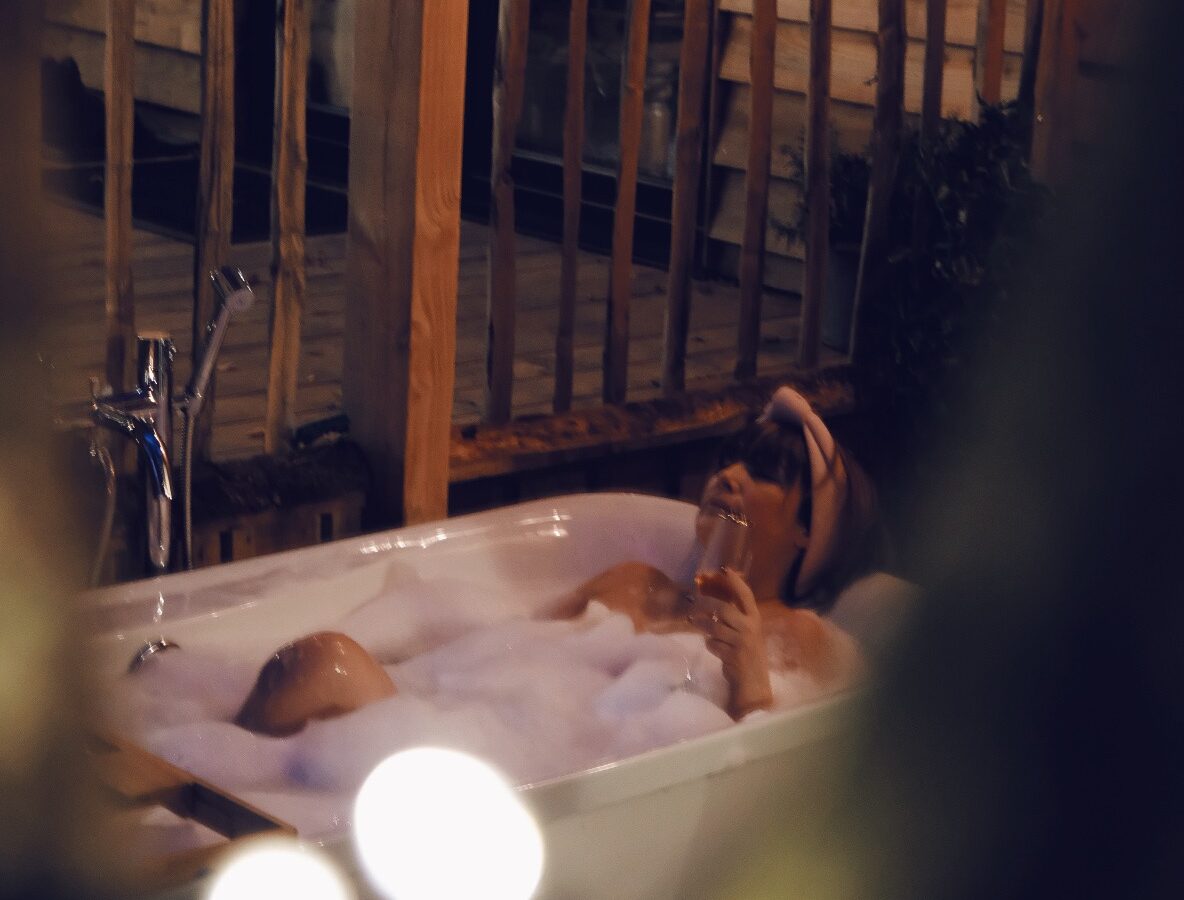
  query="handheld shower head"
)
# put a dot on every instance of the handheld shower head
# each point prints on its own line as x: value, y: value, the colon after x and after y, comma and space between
x: 234, y: 294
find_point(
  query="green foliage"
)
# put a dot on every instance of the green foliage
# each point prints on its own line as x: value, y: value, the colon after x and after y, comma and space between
x: 944, y: 288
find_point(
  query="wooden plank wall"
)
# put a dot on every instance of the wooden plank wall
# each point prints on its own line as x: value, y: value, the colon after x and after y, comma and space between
x: 167, y: 56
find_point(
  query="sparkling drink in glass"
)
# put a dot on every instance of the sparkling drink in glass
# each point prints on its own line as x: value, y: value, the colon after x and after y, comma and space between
x: 727, y: 545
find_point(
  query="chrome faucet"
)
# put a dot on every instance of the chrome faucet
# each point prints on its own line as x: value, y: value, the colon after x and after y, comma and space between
x: 145, y: 415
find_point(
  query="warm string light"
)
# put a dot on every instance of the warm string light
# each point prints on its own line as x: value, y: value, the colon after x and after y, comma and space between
x: 279, y: 867
x: 432, y: 823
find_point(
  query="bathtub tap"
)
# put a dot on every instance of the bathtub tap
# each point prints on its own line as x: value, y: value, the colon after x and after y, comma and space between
x: 145, y: 415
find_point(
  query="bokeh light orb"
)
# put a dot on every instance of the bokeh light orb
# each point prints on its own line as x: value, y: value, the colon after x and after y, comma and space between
x: 431, y: 824
x: 278, y: 867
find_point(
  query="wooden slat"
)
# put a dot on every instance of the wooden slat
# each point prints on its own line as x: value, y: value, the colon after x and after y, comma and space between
x: 989, y: 50
x: 616, y: 341
x: 573, y: 171
x: 817, y: 184
x: 215, y: 184
x: 1033, y: 27
x: 119, y: 92
x: 935, y: 51
x: 756, y: 194
x: 935, y: 13
x: 509, y: 82
x: 289, y: 176
x: 437, y: 248
x: 688, y: 165
x: 886, y: 135
x: 402, y: 257
x: 719, y: 99
x: 1056, y: 76
x: 861, y: 15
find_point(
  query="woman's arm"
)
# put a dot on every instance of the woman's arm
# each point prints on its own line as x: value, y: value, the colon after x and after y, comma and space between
x: 637, y: 589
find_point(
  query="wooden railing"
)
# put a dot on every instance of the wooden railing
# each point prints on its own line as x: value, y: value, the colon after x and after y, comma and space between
x: 404, y: 200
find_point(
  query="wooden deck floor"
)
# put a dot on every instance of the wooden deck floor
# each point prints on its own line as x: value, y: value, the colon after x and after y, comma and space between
x: 163, y: 287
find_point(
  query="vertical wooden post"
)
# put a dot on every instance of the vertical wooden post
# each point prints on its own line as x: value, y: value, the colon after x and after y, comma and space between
x: 573, y: 174
x: 688, y: 165
x: 509, y: 82
x: 886, y: 133
x: 1033, y: 27
x: 215, y: 183
x: 23, y: 236
x: 756, y: 183
x: 717, y: 92
x: 935, y: 66
x: 935, y: 63
x: 988, y: 56
x: 289, y: 174
x: 402, y: 256
x: 1056, y: 76
x: 119, y: 94
x: 817, y: 196
x: 616, y: 338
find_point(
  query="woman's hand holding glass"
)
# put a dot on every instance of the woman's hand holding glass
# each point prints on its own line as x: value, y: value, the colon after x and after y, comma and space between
x: 727, y: 613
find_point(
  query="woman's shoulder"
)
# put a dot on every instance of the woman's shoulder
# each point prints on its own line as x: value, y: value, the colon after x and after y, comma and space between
x: 802, y: 639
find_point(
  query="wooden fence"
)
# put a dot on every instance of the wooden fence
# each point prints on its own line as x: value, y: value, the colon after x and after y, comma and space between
x: 404, y: 203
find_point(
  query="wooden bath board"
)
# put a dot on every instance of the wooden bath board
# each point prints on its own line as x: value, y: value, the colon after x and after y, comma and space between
x: 139, y: 780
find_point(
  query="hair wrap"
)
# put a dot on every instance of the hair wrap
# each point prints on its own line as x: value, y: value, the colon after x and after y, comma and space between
x: 829, y: 483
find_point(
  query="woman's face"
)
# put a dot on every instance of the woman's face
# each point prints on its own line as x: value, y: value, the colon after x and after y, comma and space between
x: 775, y: 536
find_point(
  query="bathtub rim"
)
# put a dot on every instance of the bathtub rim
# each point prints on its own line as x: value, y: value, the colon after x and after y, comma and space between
x: 360, y: 548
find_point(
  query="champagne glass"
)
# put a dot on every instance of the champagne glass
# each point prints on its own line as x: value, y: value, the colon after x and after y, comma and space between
x: 727, y: 545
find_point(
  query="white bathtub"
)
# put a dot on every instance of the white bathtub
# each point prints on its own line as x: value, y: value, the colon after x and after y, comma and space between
x: 654, y: 825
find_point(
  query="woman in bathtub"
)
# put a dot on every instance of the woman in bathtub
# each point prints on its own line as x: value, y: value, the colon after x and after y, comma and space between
x: 812, y: 529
